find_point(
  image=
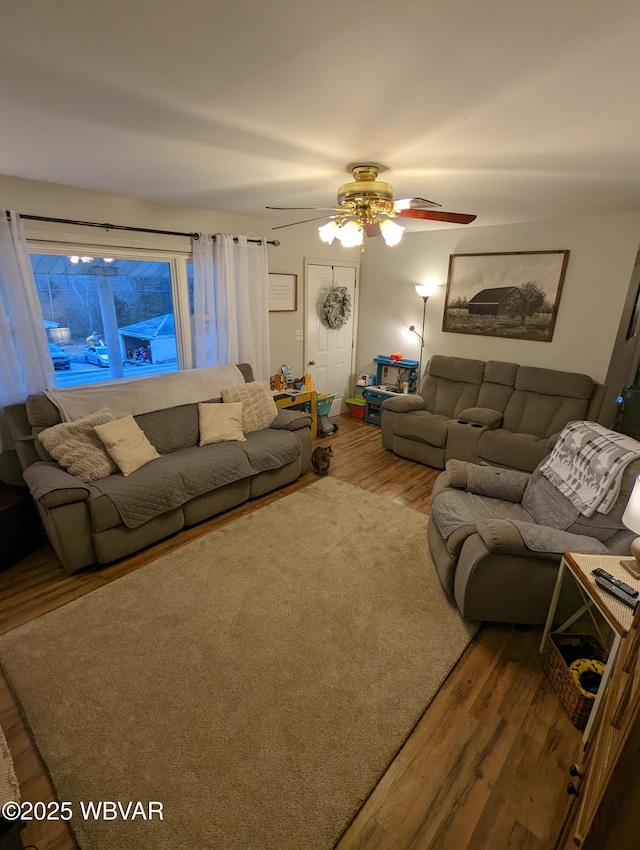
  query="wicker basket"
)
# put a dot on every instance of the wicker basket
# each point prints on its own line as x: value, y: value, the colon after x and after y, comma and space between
x: 559, y: 653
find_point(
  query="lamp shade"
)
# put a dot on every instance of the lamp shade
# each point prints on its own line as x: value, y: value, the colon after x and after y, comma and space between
x: 426, y: 290
x: 350, y: 234
x: 631, y: 515
x: 328, y: 232
x: 391, y: 232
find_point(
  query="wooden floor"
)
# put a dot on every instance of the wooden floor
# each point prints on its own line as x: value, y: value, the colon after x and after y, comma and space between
x: 484, y: 769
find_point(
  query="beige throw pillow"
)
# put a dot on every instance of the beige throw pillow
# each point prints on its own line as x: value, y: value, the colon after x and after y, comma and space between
x: 127, y: 444
x: 77, y: 447
x: 219, y: 422
x: 258, y: 407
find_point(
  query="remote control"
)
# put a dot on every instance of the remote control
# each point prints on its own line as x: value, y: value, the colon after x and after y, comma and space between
x: 613, y: 580
x: 615, y: 591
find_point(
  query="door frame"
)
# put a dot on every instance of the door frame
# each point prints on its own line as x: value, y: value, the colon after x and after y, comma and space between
x: 356, y: 298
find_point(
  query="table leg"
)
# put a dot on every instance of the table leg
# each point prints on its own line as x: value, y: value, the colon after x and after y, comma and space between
x: 314, y: 414
x: 602, y: 688
x: 552, y: 607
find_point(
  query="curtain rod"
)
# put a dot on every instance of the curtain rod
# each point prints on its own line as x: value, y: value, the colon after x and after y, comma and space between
x: 275, y: 242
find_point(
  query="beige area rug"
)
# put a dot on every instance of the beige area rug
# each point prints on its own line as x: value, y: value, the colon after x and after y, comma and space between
x: 256, y: 682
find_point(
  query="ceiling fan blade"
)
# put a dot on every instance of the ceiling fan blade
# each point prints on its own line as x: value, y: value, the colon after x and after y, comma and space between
x: 438, y: 215
x: 337, y: 209
x: 372, y: 229
x: 304, y: 221
x: 414, y: 204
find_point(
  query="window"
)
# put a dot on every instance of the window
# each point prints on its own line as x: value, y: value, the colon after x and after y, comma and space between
x: 114, y: 315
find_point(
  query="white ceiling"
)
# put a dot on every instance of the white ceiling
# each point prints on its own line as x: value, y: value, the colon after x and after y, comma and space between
x: 511, y: 109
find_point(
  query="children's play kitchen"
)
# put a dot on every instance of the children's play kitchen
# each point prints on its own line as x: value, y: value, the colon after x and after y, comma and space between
x: 395, y: 375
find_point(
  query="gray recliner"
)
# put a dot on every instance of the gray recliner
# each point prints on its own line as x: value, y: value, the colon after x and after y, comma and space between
x: 497, y: 536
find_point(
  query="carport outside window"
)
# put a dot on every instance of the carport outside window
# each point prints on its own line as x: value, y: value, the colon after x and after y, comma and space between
x: 106, y: 317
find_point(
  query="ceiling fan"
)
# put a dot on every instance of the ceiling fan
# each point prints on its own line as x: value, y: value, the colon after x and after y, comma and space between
x: 367, y: 206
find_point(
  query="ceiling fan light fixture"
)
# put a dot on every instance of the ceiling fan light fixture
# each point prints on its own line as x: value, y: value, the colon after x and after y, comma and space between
x: 328, y: 232
x: 350, y: 234
x: 391, y: 232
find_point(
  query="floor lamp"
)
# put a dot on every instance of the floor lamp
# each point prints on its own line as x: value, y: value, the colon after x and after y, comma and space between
x: 425, y: 292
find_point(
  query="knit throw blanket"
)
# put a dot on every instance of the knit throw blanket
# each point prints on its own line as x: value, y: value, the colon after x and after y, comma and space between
x: 587, y: 463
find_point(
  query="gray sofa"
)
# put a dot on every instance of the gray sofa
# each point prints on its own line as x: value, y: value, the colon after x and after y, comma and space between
x: 497, y: 536
x: 105, y: 520
x: 491, y: 412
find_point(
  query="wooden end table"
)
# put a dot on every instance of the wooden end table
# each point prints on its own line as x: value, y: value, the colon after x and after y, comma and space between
x: 615, y: 613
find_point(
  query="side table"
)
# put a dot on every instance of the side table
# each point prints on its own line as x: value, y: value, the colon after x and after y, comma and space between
x: 616, y: 614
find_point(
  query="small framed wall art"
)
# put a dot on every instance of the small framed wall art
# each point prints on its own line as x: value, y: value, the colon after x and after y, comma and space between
x: 513, y: 294
x: 283, y: 293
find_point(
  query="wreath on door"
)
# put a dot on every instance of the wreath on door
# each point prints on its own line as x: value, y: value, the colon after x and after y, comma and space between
x: 336, y: 308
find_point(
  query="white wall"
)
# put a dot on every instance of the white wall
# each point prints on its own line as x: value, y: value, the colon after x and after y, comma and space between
x: 596, y: 298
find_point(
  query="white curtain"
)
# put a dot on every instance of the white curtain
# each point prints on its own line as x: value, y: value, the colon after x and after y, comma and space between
x: 25, y: 365
x: 231, y: 302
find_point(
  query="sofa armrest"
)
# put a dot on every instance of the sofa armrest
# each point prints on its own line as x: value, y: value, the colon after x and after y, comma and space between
x: 291, y: 420
x: 52, y: 486
x: 404, y: 403
x: 506, y: 484
x: 505, y: 537
x: 482, y: 416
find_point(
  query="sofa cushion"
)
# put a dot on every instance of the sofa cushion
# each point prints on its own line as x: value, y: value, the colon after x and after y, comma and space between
x: 258, y: 405
x: 219, y: 422
x: 453, y: 509
x: 497, y: 385
x: 422, y: 426
x: 456, y: 368
x: 126, y: 443
x: 77, y: 447
x: 270, y: 449
x: 553, y: 382
x: 544, y: 400
x: 451, y: 384
x: 173, y: 479
x: 517, y: 451
x: 541, y: 414
x: 171, y: 429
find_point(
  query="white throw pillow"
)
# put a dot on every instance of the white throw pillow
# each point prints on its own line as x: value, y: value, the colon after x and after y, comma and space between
x: 258, y: 407
x: 219, y: 422
x: 77, y: 447
x: 127, y: 444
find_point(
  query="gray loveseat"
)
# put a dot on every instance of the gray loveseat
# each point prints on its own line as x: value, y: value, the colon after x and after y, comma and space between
x: 496, y: 412
x: 105, y: 520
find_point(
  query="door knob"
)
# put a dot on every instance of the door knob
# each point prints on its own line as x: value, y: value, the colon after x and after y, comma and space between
x: 571, y: 789
x: 312, y: 362
x: 574, y: 770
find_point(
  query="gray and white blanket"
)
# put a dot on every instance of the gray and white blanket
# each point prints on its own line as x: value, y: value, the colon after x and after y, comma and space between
x: 587, y: 463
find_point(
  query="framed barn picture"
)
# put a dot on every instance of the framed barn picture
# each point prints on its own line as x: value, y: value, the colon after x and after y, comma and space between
x: 513, y: 294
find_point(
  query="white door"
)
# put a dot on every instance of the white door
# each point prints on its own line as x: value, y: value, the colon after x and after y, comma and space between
x: 329, y: 353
